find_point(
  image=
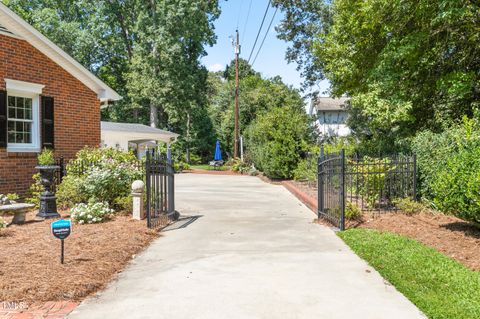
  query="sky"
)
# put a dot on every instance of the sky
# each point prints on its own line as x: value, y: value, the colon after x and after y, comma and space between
x: 271, y: 59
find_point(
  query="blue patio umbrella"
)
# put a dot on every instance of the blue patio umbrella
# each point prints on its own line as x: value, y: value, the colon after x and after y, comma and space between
x: 218, y: 153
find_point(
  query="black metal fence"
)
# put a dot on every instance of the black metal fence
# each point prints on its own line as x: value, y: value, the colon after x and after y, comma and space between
x: 60, y: 172
x: 331, y: 188
x: 372, y: 184
x: 160, y: 179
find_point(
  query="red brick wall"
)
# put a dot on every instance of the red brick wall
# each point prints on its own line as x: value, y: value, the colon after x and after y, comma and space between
x: 77, y: 110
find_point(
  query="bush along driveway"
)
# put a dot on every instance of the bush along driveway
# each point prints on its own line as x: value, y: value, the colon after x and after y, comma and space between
x: 249, y: 249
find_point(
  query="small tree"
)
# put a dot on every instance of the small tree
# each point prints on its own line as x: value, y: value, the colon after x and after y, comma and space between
x: 277, y: 140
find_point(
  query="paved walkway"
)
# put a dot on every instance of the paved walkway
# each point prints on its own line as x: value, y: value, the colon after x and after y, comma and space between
x: 251, y: 252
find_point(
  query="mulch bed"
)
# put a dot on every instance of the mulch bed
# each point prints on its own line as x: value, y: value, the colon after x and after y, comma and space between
x: 30, y: 269
x: 450, y: 235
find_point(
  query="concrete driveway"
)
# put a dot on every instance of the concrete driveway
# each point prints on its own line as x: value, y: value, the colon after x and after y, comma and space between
x: 250, y: 250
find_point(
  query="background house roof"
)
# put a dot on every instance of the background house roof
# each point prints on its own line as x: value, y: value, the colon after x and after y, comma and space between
x: 13, y: 25
x: 139, y: 131
x: 328, y: 104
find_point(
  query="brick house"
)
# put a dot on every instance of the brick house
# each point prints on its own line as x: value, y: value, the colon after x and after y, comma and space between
x: 47, y: 99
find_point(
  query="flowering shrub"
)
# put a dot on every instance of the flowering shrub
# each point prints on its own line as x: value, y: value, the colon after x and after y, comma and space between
x: 101, y: 175
x: 91, y: 213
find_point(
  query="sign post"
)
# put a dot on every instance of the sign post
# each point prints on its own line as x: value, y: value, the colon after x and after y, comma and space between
x: 62, y: 229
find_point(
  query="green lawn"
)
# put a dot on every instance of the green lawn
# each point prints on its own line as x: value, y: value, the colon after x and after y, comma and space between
x: 209, y: 168
x: 439, y: 286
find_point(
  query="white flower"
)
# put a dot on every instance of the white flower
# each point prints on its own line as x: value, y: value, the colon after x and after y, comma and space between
x: 89, y: 216
x: 80, y: 222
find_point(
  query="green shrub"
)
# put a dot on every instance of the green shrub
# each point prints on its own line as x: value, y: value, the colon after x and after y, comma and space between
x: 277, y: 140
x: 352, y: 211
x: 91, y: 213
x: 409, y: 206
x: 306, y: 170
x: 8, y: 198
x: 124, y: 203
x: 449, y: 168
x: 13, y: 196
x: 34, y: 191
x: 3, y: 223
x: 100, y: 175
x: 369, y: 176
x: 180, y: 166
x: 336, y: 144
x: 456, y: 185
x: 434, y: 149
x: 46, y: 157
x: 239, y: 166
x: 70, y: 191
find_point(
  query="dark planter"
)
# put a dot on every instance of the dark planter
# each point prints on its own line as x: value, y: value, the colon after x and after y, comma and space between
x: 48, y: 201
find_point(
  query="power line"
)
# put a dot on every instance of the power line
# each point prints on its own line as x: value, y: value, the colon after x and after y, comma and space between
x: 266, y: 33
x: 259, y: 30
x: 246, y: 20
x: 239, y: 13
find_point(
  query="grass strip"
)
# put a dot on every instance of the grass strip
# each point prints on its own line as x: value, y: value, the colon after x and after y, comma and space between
x: 439, y: 286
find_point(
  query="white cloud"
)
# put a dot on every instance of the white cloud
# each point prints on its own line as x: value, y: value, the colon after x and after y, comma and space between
x: 215, y: 67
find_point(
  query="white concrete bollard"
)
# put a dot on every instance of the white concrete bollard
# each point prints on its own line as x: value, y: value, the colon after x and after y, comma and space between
x: 137, y: 197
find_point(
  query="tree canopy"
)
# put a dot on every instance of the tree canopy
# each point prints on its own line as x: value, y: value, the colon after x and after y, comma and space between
x: 408, y: 65
x: 148, y: 51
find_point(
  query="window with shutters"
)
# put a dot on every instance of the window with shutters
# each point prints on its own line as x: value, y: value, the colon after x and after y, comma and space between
x: 23, y: 116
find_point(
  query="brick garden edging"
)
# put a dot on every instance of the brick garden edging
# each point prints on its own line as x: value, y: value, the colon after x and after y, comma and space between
x: 309, y: 201
x: 47, y: 310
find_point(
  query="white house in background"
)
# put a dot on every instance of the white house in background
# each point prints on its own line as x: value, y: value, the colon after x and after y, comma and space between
x: 136, y: 137
x: 331, y: 115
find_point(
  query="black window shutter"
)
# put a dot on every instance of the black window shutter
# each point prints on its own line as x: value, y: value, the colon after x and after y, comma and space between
x: 3, y: 119
x: 47, y: 122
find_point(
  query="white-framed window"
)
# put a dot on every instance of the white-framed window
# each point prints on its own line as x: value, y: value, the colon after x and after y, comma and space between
x: 23, y: 116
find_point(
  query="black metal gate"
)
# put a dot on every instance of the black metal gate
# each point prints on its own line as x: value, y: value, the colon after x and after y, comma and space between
x: 371, y: 184
x: 331, y: 188
x: 159, y: 178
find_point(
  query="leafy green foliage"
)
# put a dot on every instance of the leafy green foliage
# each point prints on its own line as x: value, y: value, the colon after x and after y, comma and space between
x: 258, y: 95
x: 148, y: 51
x: 277, y: 139
x: 13, y: 196
x: 352, y: 211
x: 368, y: 178
x: 100, y: 175
x: 237, y: 165
x: 306, y: 170
x: 409, y: 206
x: 46, y: 157
x: 439, y: 286
x: 303, y: 21
x: 36, y: 188
x: 448, y: 164
x: 70, y: 191
x: 434, y: 149
x: 407, y: 65
x: 456, y: 185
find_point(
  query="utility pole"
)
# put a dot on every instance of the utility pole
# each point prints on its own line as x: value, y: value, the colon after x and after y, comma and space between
x: 237, y: 53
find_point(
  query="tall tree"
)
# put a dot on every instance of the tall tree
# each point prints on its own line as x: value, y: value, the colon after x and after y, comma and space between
x: 303, y: 22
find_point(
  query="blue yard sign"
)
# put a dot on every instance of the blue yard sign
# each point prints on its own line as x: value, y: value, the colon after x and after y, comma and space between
x: 61, y: 229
